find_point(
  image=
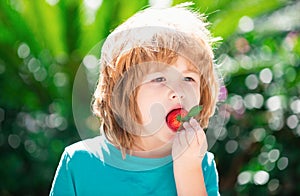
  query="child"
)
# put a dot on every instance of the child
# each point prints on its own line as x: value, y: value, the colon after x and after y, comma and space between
x: 155, y: 64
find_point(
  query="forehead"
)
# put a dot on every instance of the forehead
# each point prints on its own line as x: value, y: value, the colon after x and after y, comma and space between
x: 180, y: 64
x: 185, y: 65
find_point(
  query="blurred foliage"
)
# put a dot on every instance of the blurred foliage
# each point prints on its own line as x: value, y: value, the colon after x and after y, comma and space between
x: 43, y: 42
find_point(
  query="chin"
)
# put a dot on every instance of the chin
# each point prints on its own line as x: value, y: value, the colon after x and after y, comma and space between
x: 168, y: 135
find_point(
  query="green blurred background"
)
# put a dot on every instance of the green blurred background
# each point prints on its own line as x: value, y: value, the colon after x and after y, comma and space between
x: 42, y: 45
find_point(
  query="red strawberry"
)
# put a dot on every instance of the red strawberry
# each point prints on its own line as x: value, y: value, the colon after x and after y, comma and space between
x: 172, y: 120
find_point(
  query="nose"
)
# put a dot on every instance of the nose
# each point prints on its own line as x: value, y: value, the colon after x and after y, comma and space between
x: 176, y: 93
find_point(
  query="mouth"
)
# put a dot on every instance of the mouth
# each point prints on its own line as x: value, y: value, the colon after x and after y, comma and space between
x: 172, y: 118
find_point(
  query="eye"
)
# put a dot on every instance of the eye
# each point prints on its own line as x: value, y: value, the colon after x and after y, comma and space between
x: 159, y: 79
x: 188, y: 79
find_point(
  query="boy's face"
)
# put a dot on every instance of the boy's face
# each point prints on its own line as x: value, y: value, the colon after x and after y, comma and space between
x: 173, y: 87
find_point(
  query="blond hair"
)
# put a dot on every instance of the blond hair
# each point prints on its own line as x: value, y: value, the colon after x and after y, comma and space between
x: 152, y: 35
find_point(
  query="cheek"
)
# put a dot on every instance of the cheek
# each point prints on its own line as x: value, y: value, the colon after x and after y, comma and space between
x: 198, y: 95
x: 145, y: 100
x: 151, y: 109
x: 192, y: 93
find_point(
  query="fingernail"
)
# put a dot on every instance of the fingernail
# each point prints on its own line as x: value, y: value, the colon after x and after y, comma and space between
x: 192, y: 119
x: 185, y: 124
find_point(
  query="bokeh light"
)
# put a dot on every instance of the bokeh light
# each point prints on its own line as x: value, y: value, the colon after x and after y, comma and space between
x: 261, y: 177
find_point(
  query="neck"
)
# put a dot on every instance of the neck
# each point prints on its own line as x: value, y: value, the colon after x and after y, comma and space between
x: 149, y: 149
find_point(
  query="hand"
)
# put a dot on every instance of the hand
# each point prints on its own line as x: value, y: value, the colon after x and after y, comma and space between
x: 190, y: 144
x: 188, y: 150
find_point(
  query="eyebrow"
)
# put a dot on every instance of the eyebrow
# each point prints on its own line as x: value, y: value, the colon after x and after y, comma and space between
x: 189, y: 70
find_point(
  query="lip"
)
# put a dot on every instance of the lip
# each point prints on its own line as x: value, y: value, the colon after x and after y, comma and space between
x: 176, y: 107
x: 179, y: 108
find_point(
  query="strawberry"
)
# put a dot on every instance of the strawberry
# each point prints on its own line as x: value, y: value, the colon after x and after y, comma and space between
x: 178, y: 116
x: 172, y: 118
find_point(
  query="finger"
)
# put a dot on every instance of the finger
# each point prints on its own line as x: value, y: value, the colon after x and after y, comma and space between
x: 180, y: 144
x: 196, y: 127
x: 186, y: 125
x: 189, y: 133
x: 194, y: 124
x: 178, y: 136
x: 201, y: 138
x: 185, y: 137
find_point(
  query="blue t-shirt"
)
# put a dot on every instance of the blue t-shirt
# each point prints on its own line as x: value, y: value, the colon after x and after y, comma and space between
x: 95, y: 167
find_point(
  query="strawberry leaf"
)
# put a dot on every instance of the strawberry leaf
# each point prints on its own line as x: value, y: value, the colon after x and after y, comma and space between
x: 195, y: 111
x: 179, y: 118
x: 185, y: 119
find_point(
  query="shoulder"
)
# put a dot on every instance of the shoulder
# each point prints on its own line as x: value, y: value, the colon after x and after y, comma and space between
x: 92, y: 147
x: 209, y: 156
x: 210, y: 174
x: 208, y: 160
x: 77, y: 163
